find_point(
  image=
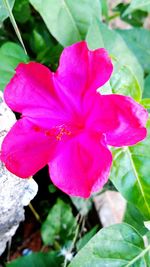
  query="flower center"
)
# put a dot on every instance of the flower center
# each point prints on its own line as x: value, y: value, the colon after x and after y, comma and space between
x: 58, y: 132
x: 62, y: 131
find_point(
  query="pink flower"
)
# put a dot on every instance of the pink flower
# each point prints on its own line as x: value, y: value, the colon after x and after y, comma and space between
x: 66, y: 123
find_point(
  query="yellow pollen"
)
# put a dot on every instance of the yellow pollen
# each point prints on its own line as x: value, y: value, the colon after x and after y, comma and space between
x: 62, y: 132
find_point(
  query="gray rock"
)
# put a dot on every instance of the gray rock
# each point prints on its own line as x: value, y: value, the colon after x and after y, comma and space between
x: 15, y: 192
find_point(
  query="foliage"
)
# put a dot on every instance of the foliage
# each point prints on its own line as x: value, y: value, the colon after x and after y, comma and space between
x: 38, y: 259
x: 3, y: 11
x: 74, y: 17
x: 116, y: 246
x: 59, y: 224
x: 11, y: 54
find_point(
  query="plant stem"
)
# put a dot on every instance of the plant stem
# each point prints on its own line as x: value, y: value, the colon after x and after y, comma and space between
x: 12, y: 19
x: 37, y: 216
x: 74, y: 240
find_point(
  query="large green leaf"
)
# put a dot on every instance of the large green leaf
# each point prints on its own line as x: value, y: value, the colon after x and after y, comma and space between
x: 127, y: 69
x: 68, y: 21
x: 59, y: 225
x: 135, y: 218
x: 138, y: 41
x: 146, y: 92
x: 124, y: 82
x: 130, y: 174
x: 11, y: 55
x: 3, y: 11
x: 116, y: 246
x: 138, y: 4
x: 83, y: 240
x: 38, y: 260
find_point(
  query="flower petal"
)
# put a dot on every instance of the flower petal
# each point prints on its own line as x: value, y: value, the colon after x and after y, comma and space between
x: 26, y: 149
x: 32, y: 92
x: 81, y: 69
x: 121, y: 118
x: 29, y: 88
x: 82, y: 167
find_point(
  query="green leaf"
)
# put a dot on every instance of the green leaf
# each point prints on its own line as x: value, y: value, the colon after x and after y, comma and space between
x: 104, y: 5
x: 145, y: 102
x: 124, y: 82
x: 130, y: 70
x: 137, y: 17
x: 59, y: 225
x: 83, y: 241
x: 68, y: 21
x: 138, y: 41
x: 11, y: 55
x: 138, y: 4
x: 135, y: 218
x: 37, y: 260
x: 146, y: 93
x: 119, y: 245
x: 130, y: 174
x: 22, y: 11
x: 50, y: 56
x: 3, y: 11
x: 14, y: 24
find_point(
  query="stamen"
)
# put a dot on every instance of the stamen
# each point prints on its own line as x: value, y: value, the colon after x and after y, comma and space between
x: 63, y: 131
x: 58, y: 132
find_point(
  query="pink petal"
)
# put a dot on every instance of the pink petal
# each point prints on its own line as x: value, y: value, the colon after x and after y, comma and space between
x: 30, y: 87
x: 82, y: 166
x: 81, y: 69
x: 26, y: 148
x: 31, y: 92
x: 120, y: 117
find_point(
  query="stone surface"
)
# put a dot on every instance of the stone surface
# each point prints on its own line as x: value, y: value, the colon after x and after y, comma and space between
x: 110, y: 207
x: 15, y: 192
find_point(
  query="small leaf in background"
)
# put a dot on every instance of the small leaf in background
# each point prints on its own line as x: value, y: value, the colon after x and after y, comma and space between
x: 83, y: 240
x: 22, y: 11
x: 82, y: 205
x: 119, y: 245
x: 130, y: 174
x: 38, y: 260
x: 134, y: 217
x: 59, y: 225
x: 104, y: 4
x: 11, y: 55
x: 52, y: 188
x: 3, y: 11
x: 50, y: 56
x: 40, y: 39
x: 138, y: 4
x: 138, y: 41
x: 68, y: 21
x: 100, y: 36
x: 137, y: 17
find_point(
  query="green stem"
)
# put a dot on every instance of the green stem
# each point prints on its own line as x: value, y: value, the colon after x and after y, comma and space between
x: 74, y: 240
x: 12, y: 19
x: 37, y: 216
